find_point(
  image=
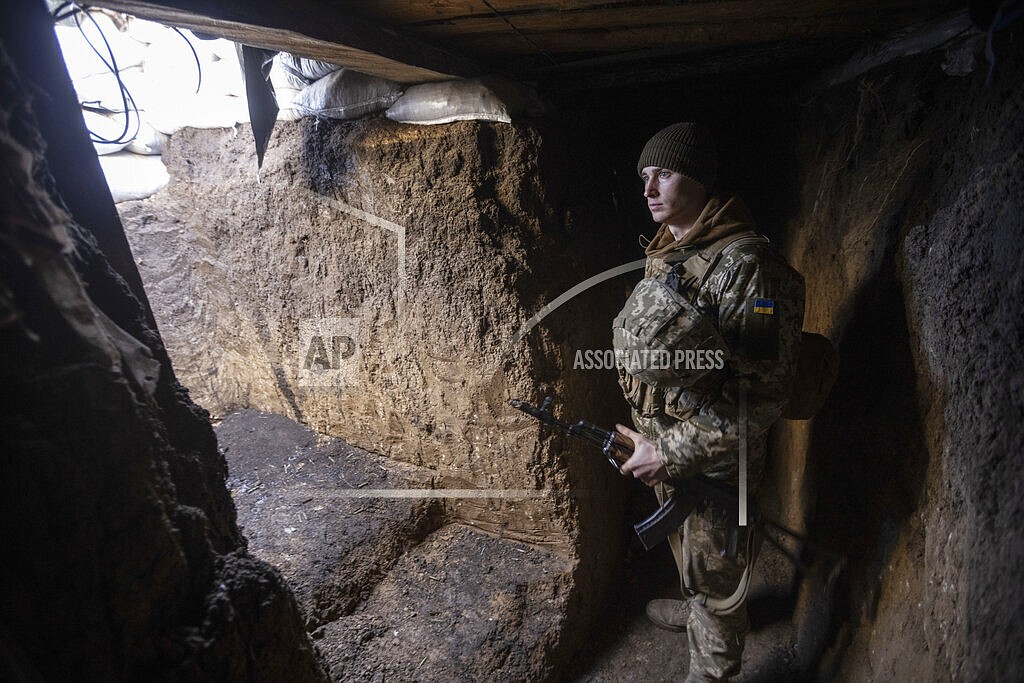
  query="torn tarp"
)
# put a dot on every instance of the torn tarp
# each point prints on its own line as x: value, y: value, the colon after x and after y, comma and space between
x: 259, y: 92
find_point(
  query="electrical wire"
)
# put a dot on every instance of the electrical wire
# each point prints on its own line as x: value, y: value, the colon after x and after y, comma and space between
x: 199, y: 67
x: 74, y: 10
x: 126, y: 96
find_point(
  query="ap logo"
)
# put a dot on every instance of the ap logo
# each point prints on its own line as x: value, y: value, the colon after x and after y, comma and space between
x: 328, y: 352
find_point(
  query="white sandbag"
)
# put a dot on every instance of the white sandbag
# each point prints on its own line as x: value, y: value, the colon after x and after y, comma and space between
x: 108, y: 127
x: 285, y: 90
x: 286, y: 109
x: 81, y: 60
x: 300, y: 71
x: 196, y: 111
x: 223, y: 77
x: 347, y: 94
x: 163, y: 80
x: 133, y: 176
x: 475, y: 99
x: 165, y: 39
x: 145, y: 31
x: 288, y: 114
x: 148, y: 141
x: 102, y: 91
x: 170, y: 66
x: 286, y: 96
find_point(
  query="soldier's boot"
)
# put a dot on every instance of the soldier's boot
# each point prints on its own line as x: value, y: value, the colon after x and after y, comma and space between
x: 669, y: 614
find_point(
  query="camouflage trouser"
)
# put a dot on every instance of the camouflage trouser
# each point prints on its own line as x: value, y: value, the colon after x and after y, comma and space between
x: 715, y: 640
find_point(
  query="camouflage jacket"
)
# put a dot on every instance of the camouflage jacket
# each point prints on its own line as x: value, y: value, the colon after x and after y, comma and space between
x: 756, y: 301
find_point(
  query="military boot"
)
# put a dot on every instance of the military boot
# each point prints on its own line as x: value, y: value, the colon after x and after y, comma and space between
x: 669, y: 614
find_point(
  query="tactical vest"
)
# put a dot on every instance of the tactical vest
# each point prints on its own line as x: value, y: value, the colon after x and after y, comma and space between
x: 661, y: 317
x: 660, y: 320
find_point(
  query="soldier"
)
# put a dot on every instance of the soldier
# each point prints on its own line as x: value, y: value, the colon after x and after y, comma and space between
x: 703, y: 420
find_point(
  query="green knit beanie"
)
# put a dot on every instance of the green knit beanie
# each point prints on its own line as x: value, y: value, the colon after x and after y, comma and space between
x: 685, y: 148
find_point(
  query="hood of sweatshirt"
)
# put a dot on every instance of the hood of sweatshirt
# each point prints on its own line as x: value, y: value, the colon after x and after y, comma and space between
x: 718, y: 219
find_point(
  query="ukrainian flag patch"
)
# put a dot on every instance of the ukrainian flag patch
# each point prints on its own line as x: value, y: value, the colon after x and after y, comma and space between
x: 764, y: 306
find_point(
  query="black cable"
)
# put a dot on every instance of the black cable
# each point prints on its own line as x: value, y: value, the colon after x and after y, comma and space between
x: 58, y: 17
x: 199, y: 67
x: 126, y: 96
x: 73, y: 11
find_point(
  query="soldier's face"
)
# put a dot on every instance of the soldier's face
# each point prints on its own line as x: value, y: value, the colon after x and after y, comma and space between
x: 672, y: 197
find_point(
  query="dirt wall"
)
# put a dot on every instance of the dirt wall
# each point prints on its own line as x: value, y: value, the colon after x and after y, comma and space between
x: 909, y: 232
x: 122, y: 559
x: 433, y: 245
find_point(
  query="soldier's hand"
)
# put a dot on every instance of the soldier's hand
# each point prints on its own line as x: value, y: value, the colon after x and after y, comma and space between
x: 644, y: 464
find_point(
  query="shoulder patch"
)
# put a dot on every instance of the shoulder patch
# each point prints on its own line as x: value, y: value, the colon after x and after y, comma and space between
x: 759, y: 334
x: 764, y: 306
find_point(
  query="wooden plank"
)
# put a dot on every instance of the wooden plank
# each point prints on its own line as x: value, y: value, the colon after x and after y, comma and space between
x: 402, y: 12
x: 599, y: 38
x: 631, y: 71
x: 738, y: 13
x: 311, y: 30
x: 736, y: 22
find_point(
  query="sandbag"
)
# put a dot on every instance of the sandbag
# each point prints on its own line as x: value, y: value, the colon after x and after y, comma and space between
x: 300, y: 71
x: 82, y: 60
x: 108, y: 127
x: 480, y: 99
x: 133, y: 176
x: 171, y: 66
x: 170, y: 115
x: 102, y: 91
x: 347, y: 94
x: 286, y: 90
x: 148, y: 141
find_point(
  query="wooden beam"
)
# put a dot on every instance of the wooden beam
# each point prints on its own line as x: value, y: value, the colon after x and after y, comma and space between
x: 308, y: 29
x: 649, y: 67
x: 400, y: 12
x: 734, y: 22
x: 612, y: 16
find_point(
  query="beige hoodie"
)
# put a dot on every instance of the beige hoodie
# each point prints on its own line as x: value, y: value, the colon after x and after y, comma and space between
x: 717, y: 220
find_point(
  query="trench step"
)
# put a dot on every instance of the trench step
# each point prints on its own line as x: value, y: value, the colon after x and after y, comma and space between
x: 461, y: 605
x: 390, y: 589
x: 312, y: 506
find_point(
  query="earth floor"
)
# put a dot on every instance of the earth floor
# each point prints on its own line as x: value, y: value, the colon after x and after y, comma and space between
x: 392, y: 590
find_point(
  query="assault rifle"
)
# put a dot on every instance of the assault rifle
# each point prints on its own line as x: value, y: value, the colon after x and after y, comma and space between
x: 695, y: 493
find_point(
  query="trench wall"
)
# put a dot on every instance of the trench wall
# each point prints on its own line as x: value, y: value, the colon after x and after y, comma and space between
x: 905, y: 222
x: 433, y: 245
x: 908, y: 229
x: 122, y: 558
